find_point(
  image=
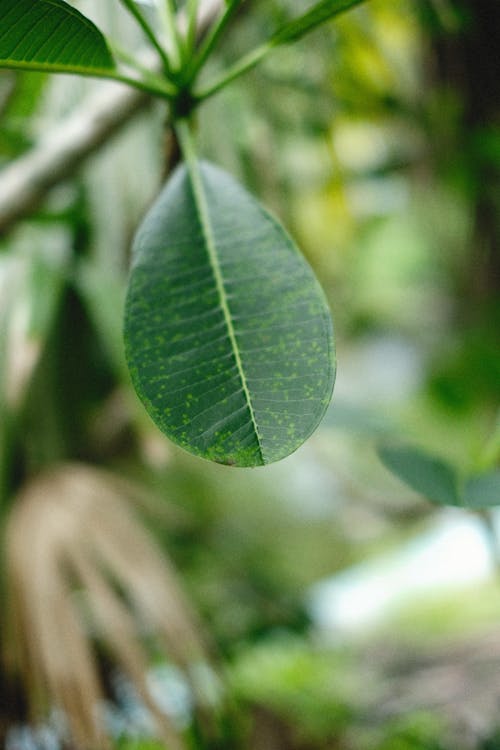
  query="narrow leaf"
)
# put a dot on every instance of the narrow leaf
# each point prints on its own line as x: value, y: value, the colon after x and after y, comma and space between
x: 427, y: 475
x: 482, y: 490
x: 315, y: 16
x: 50, y: 35
x: 228, y: 335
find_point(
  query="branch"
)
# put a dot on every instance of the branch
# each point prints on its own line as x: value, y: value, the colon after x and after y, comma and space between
x: 25, y: 182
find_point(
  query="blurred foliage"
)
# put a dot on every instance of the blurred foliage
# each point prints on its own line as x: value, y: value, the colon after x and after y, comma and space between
x: 311, y: 689
x: 377, y: 144
x: 419, y: 732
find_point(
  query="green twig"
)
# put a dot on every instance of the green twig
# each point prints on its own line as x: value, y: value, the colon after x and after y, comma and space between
x: 149, y: 77
x: 169, y: 18
x: 156, y: 87
x: 212, y: 39
x: 183, y: 131
x: 148, y: 31
x: 244, y: 65
x: 192, y: 20
x: 290, y: 32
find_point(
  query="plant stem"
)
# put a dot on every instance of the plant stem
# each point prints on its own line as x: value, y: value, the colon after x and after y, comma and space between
x: 148, y: 31
x: 246, y: 63
x: 288, y: 33
x: 213, y: 37
x: 192, y: 19
x: 148, y: 76
x: 156, y: 87
x: 159, y: 88
x: 186, y: 142
x: 169, y: 17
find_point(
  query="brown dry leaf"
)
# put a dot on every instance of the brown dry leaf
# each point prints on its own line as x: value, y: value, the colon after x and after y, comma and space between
x: 72, y: 529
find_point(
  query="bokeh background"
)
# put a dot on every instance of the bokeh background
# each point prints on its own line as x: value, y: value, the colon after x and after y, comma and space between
x: 316, y: 604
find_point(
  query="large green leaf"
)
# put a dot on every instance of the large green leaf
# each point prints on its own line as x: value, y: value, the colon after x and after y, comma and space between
x: 426, y: 474
x: 228, y: 335
x: 50, y: 35
x: 315, y: 16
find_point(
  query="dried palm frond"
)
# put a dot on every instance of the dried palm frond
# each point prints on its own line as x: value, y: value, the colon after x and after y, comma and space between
x: 71, y: 538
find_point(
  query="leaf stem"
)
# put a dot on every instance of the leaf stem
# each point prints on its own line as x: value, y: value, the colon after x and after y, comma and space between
x: 157, y: 87
x: 148, y: 76
x: 290, y: 32
x: 212, y: 39
x: 183, y: 127
x: 244, y: 65
x: 192, y: 20
x: 131, y: 6
x: 169, y: 17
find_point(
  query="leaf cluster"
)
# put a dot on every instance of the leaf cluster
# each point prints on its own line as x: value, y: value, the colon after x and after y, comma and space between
x: 228, y: 335
x: 52, y: 36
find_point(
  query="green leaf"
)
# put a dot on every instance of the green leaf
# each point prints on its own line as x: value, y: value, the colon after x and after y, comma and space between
x: 50, y: 35
x: 228, y: 335
x: 482, y: 490
x: 318, y: 14
x: 426, y: 474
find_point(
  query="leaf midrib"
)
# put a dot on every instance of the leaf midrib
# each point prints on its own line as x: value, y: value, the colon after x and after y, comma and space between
x: 48, y: 67
x: 201, y: 204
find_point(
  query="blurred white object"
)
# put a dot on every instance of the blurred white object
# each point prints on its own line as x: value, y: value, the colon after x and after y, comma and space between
x: 452, y: 555
x: 381, y: 369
